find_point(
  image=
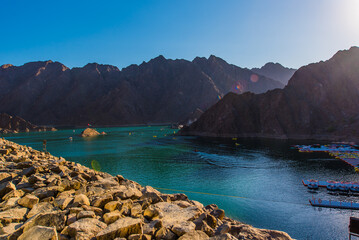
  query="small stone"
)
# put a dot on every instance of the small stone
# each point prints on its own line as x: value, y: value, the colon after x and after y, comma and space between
x: 112, y: 206
x: 62, y: 202
x: 6, y: 187
x: 111, y: 217
x: 28, y: 201
x: 86, y: 214
x: 102, y: 201
x: 80, y: 200
x: 218, y: 213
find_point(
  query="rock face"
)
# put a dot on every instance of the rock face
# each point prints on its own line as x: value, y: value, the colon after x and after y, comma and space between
x: 10, y: 124
x: 319, y: 102
x: 158, y: 91
x: 79, y: 203
x: 89, y: 132
x: 275, y: 71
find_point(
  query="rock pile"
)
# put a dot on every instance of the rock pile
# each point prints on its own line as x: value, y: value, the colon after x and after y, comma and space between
x: 47, y: 197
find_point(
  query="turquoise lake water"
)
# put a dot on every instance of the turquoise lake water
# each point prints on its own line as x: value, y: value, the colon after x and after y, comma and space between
x: 265, y: 174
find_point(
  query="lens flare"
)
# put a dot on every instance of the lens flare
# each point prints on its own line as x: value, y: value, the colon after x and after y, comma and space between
x: 254, y: 78
x: 95, y: 165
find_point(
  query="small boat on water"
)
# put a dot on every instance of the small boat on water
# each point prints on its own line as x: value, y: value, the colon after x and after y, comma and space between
x: 332, y: 187
x: 313, y: 184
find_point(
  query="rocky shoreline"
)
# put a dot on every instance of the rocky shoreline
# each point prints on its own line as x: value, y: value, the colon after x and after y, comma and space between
x: 47, y: 197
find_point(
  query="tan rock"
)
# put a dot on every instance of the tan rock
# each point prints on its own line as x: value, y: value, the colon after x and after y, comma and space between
x: 113, y: 205
x: 123, y: 227
x: 136, y: 210
x: 48, y: 219
x: 41, y: 207
x: 28, y: 201
x: 10, y: 228
x: 13, y: 193
x: 151, y: 194
x: 89, y: 132
x: 62, y: 202
x: 11, y: 202
x: 225, y: 236
x: 86, y: 214
x: 171, y: 214
x: 13, y: 215
x: 85, y: 227
x: 182, y: 228
x: 39, y: 233
x: 195, y: 235
x: 111, y: 217
x: 6, y: 187
x: 80, y: 200
x: 165, y: 233
x: 102, y: 201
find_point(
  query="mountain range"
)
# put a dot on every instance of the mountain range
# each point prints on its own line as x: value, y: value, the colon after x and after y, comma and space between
x: 319, y: 102
x: 275, y: 71
x: 158, y: 91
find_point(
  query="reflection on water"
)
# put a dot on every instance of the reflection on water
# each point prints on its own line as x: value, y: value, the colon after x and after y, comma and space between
x: 266, y: 174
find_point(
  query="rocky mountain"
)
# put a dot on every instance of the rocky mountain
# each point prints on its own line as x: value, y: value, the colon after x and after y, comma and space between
x: 275, y: 71
x: 319, y: 102
x: 9, y: 124
x: 161, y: 90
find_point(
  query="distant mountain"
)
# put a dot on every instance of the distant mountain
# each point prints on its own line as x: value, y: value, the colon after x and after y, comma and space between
x: 10, y: 124
x: 159, y: 91
x: 319, y: 102
x: 275, y: 71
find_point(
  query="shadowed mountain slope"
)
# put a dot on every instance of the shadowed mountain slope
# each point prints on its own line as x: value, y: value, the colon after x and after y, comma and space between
x: 161, y: 90
x: 320, y: 101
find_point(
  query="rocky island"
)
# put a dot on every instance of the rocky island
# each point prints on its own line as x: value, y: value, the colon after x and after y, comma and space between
x: 10, y: 124
x: 47, y: 197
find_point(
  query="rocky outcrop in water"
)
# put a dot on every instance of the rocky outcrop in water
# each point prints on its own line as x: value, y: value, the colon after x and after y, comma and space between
x: 275, y: 71
x: 159, y: 91
x: 10, y: 124
x: 319, y: 102
x: 90, y: 132
x: 47, y: 197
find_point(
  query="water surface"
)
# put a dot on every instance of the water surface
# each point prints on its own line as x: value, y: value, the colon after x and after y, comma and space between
x: 261, y: 179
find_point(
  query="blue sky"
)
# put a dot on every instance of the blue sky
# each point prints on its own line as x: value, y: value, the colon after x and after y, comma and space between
x: 246, y: 33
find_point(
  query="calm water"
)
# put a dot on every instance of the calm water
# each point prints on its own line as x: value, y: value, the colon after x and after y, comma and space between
x: 266, y: 174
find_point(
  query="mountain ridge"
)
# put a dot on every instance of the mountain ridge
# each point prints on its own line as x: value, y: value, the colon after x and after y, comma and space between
x: 275, y: 71
x: 319, y: 102
x: 157, y: 91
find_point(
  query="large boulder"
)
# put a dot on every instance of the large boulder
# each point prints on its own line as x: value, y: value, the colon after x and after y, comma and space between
x: 13, y: 215
x: 171, y: 214
x: 49, y: 219
x: 89, y: 132
x: 39, y: 233
x: 198, y: 235
x: 86, y: 228
x: 123, y: 227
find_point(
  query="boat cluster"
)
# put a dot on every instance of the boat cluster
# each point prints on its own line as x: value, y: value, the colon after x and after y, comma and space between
x: 334, y: 186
